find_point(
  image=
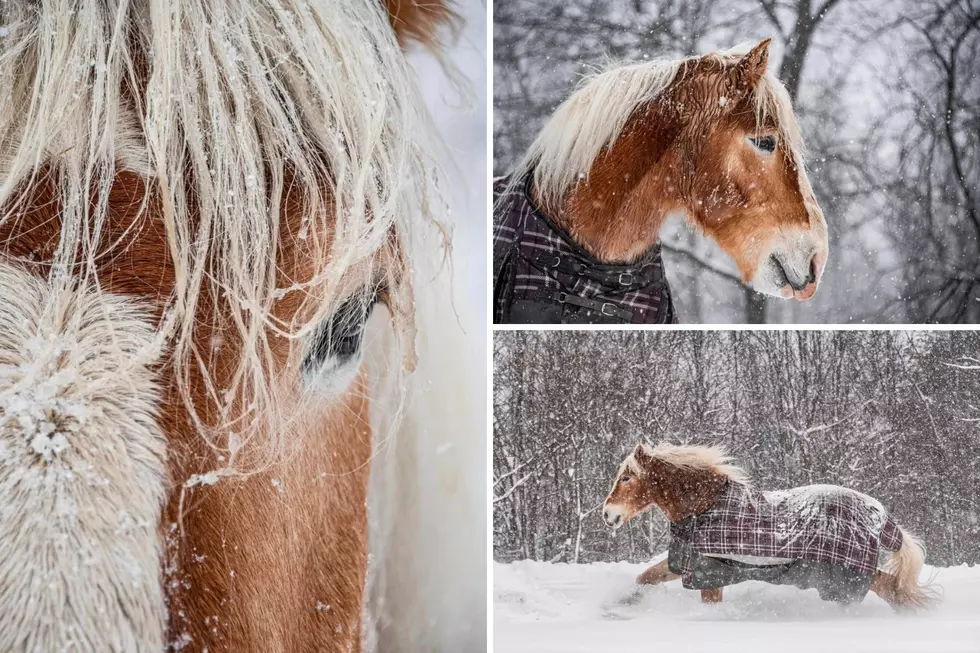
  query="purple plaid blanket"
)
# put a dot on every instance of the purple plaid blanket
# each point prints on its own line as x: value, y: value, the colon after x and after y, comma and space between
x: 541, y: 275
x: 819, y: 523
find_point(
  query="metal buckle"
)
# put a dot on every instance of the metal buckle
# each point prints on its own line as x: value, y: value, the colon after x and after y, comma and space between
x: 612, y: 308
x: 556, y: 263
x: 562, y: 297
x: 628, y: 275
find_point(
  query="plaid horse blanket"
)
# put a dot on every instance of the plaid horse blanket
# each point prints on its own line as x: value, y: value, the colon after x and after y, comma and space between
x: 542, y: 276
x: 819, y: 536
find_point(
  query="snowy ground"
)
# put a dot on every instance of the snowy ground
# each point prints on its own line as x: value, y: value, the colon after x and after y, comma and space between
x: 541, y: 607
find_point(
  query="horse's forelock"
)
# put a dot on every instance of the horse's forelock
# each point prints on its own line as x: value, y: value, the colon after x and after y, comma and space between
x: 241, y: 99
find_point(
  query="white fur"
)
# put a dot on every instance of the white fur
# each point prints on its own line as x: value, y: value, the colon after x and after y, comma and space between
x: 334, y: 377
x: 794, y: 247
x: 82, y: 472
x: 589, y: 121
x: 428, y: 484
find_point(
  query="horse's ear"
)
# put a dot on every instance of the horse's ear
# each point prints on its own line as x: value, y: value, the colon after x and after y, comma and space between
x: 641, y: 456
x: 752, y: 67
x: 427, y: 22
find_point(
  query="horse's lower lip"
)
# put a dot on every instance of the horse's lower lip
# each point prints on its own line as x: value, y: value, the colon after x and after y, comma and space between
x: 805, y: 294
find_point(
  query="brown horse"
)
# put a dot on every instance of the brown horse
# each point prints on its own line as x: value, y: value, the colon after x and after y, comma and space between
x: 200, y: 204
x: 836, y: 540
x: 712, y: 137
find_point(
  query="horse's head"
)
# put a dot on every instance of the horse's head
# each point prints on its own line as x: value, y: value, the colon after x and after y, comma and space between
x: 743, y: 178
x: 637, y: 487
x: 680, y: 480
x: 199, y: 208
x: 712, y: 137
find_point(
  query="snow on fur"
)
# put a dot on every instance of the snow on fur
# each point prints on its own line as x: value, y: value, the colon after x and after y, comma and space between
x: 82, y: 467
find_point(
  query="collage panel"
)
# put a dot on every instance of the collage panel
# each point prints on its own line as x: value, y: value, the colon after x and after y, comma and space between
x: 736, y: 161
x: 758, y: 490
x: 243, y: 334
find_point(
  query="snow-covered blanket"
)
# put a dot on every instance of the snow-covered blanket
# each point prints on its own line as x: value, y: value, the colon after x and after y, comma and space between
x: 541, y: 275
x: 828, y: 536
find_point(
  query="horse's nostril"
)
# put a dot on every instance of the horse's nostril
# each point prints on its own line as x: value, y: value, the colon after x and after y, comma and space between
x: 812, y: 278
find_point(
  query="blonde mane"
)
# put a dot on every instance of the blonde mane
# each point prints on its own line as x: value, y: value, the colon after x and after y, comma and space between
x: 218, y: 104
x: 593, y: 117
x: 713, y: 458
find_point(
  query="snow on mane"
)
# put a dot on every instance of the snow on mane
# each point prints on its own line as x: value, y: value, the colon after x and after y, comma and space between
x: 714, y: 458
x: 237, y: 101
x: 593, y: 117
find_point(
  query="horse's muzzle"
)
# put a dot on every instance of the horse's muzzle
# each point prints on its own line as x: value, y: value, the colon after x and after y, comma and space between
x: 613, y: 518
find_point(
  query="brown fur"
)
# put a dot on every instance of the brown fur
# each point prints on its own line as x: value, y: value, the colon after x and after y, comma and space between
x: 422, y: 21
x: 685, y: 151
x: 712, y: 595
x: 659, y: 573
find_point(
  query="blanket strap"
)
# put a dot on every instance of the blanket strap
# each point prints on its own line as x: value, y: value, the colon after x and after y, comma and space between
x: 605, y: 308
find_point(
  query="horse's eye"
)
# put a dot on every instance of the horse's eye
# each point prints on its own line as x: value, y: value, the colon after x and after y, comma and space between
x: 765, y: 144
x: 339, y: 339
x: 625, y: 479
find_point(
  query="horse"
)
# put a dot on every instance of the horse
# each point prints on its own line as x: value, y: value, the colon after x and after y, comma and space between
x: 201, y: 205
x: 833, y: 539
x: 712, y: 137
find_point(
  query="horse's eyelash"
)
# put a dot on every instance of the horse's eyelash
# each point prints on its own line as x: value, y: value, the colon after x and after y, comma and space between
x: 764, y: 143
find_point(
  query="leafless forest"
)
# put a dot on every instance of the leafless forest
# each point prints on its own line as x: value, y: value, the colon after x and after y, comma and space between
x: 888, y: 95
x: 893, y: 414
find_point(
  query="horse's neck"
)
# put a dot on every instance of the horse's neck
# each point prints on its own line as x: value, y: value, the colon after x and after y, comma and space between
x: 689, y: 492
x: 632, y: 186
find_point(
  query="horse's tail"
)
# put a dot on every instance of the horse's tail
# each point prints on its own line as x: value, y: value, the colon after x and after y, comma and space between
x: 906, y: 565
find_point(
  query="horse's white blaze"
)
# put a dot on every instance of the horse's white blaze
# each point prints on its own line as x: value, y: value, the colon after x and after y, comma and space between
x: 82, y: 471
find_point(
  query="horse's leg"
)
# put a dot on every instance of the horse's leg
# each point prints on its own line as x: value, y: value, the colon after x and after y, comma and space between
x: 885, y: 585
x: 657, y: 574
x: 712, y: 595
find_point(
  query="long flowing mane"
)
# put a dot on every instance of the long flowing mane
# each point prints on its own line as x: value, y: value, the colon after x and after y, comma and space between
x: 593, y: 117
x: 222, y: 107
x: 713, y: 458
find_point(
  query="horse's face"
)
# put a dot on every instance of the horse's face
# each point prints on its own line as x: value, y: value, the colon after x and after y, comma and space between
x: 747, y: 190
x: 632, y: 493
x: 169, y: 326
x: 116, y: 393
